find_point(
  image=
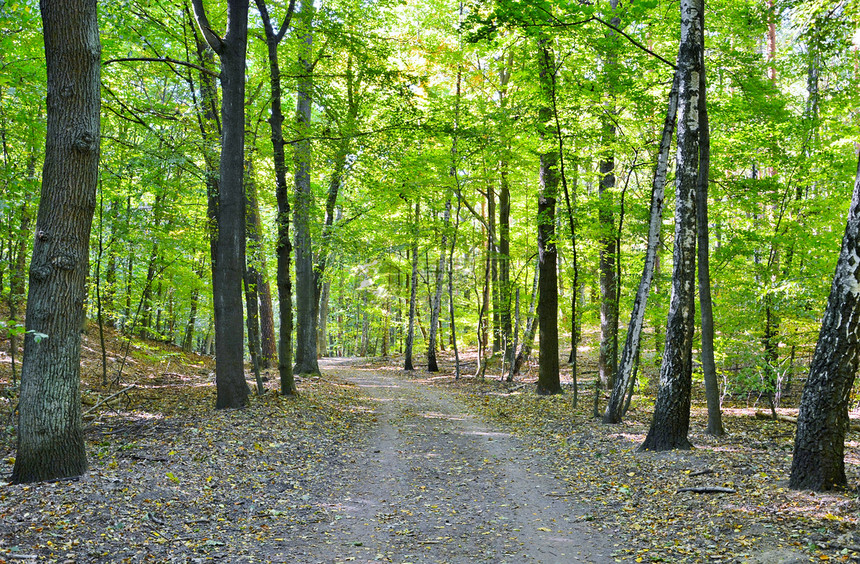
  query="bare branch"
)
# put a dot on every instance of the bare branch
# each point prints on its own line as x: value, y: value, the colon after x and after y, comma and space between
x: 167, y: 60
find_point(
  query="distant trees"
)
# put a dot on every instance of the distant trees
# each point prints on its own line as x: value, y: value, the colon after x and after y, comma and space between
x: 50, y: 431
x: 818, y: 462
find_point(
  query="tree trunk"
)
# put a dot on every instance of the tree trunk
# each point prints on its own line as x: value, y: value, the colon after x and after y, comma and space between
x: 258, y: 283
x: 436, y: 306
x: 622, y: 380
x: 322, y: 330
x: 531, y: 324
x: 284, y: 248
x: 413, y: 292
x: 50, y: 432
x: 709, y: 366
x: 607, y: 363
x: 306, y: 310
x: 17, y: 287
x: 549, y: 381
x: 671, y: 420
x: 229, y: 264
x: 818, y: 462
x: 188, y: 339
x: 251, y: 274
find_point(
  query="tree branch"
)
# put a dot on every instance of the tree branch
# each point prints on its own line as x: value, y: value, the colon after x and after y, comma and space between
x: 167, y: 60
x: 633, y: 41
x: 212, y: 38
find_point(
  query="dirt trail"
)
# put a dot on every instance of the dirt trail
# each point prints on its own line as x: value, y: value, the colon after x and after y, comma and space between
x: 437, y: 485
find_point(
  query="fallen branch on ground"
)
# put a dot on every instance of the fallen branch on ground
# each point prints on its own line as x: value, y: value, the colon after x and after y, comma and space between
x: 708, y: 489
x: 107, y: 399
x: 852, y: 426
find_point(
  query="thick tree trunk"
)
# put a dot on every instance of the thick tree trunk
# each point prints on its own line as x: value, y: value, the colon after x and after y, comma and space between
x: 229, y: 264
x: 622, y: 380
x: 284, y: 248
x: 50, y: 432
x: 818, y: 462
x: 549, y: 381
x: 413, y: 292
x: 306, y: 310
x: 671, y: 419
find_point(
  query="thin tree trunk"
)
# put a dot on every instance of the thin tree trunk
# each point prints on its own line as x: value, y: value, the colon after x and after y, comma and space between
x: 284, y: 248
x: 413, y: 292
x: 50, y: 431
x: 17, y: 287
x: 322, y: 330
x: 516, y: 335
x: 531, y: 325
x: 615, y: 406
x: 258, y: 283
x: 709, y: 367
x: 432, y: 365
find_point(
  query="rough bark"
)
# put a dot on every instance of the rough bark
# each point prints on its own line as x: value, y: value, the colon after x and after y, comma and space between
x: 623, y: 377
x: 306, y: 310
x: 50, y: 432
x: 284, y: 247
x: 548, y: 371
x: 671, y: 420
x: 818, y: 462
x: 229, y: 264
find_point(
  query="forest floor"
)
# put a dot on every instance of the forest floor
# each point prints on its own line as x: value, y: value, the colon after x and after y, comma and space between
x: 371, y: 463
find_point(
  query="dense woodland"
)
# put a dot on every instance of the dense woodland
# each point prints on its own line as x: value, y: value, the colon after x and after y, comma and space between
x: 282, y: 181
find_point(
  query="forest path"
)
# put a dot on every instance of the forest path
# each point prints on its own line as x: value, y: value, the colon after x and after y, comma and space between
x: 435, y: 484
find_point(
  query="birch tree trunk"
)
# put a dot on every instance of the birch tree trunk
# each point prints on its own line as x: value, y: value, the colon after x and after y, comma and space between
x: 622, y: 380
x: 671, y: 420
x: 50, y: 431
x: 818, y: 462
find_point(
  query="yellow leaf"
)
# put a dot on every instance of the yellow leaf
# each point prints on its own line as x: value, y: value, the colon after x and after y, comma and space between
x: 544, y: 529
